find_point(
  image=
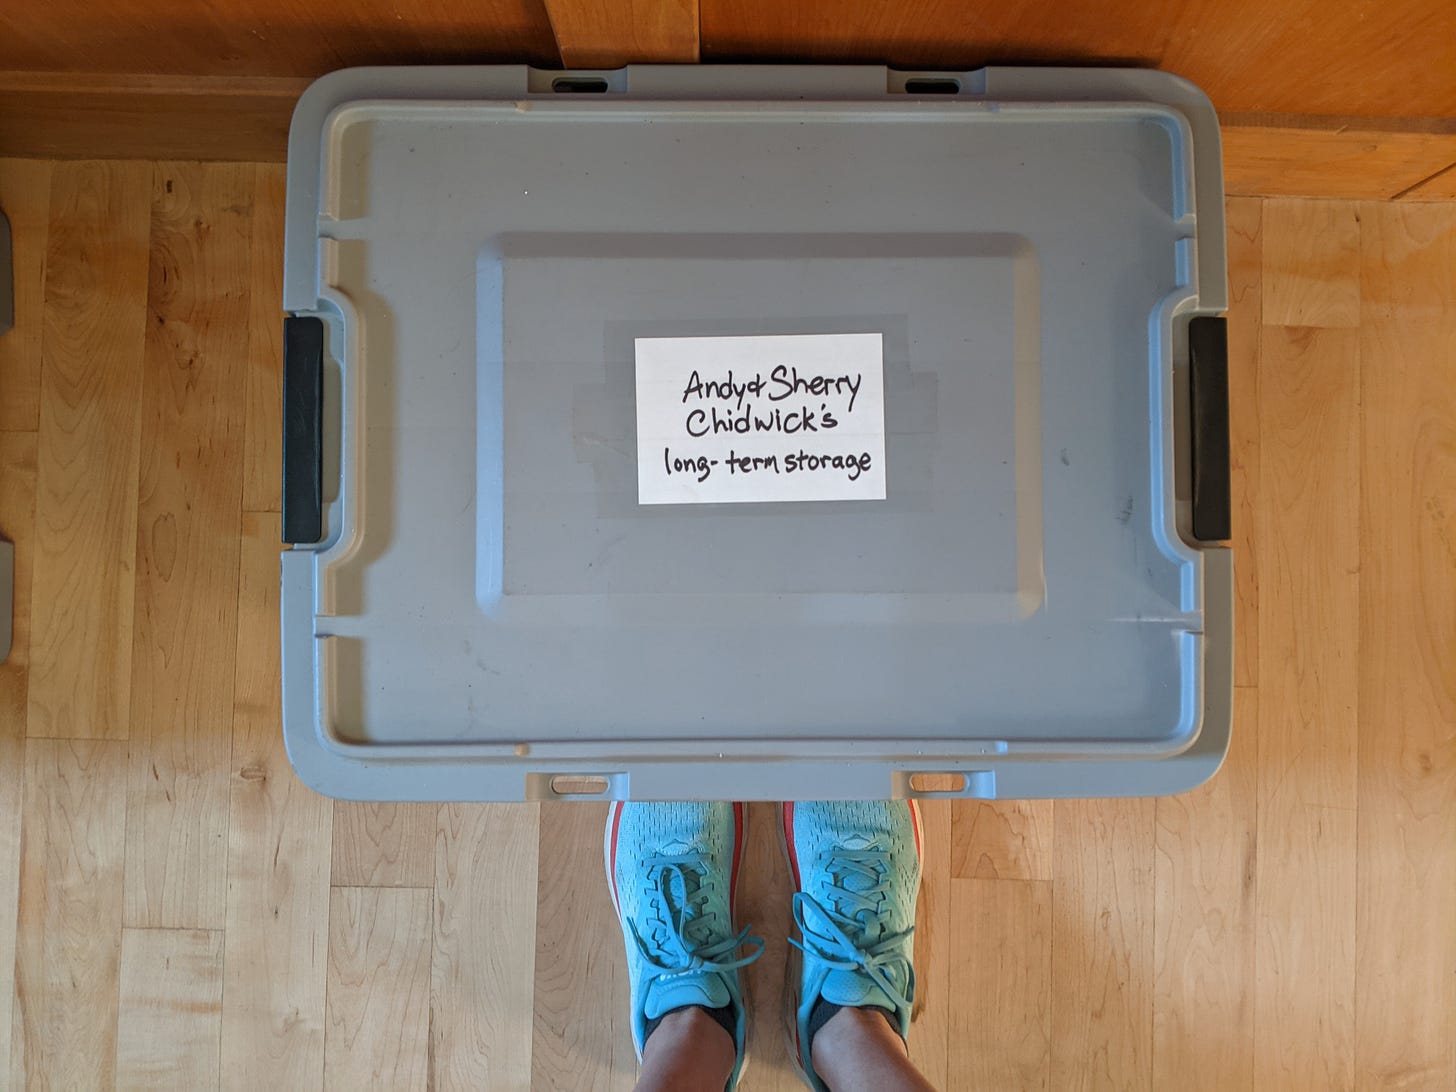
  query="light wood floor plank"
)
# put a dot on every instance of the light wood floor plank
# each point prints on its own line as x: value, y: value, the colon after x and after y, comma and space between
x: 1163, y: 944
x: 929, y: 1039
x: 1245, y: 319
x: 263, y: 436
x: 1001, y: 964
x: 171, y: 1009
x: 17, y: 524
x: 1405, y: 1001
x: 276, y: 963
x: 86, y: 484
x: 68, y: 936
x: 1002, y: 839
x: 764, y: 894
x: 1203, y: 984
x: 384, y: 845
x: 1311, y: 254
x: 1309, y: 625
x: 379, y: 989
x: 189, y: 506
x: 484, y: 957
x: 25, y: 198
x: 1102, y: 945
x: 582, y: 1039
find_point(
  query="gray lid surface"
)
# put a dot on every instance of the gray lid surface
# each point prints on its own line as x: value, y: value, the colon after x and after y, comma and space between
x: 491, y: 606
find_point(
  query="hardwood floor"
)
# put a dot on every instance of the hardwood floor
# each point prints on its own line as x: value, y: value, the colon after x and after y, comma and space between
x: 176, y: 910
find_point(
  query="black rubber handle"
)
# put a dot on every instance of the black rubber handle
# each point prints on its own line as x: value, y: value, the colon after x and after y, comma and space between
x: 303, y: 430
x: 1209, y: 409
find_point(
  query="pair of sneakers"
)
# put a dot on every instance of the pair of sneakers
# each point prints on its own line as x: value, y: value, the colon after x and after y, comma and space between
x: 673, y: 870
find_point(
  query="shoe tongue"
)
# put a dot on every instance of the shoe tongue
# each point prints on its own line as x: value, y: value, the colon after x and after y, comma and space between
x: 703, y: 988
x: 853, y: 989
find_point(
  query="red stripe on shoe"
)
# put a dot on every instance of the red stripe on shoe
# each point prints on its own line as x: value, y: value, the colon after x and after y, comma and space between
x: 789, y: 842
x: 616, y: 826
x: 915, y: 821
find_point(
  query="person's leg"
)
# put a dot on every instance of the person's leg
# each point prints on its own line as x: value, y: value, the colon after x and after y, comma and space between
x: 688, y: 1052
x: 856, y: 1049
x: 672, y: 870
x: 856, y: 870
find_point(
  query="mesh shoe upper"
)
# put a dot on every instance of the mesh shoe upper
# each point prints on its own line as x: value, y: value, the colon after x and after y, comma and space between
x: 856, y: 866
x: 673, y: 870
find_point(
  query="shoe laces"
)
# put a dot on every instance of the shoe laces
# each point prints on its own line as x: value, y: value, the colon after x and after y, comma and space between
x: 853, y: 936
x: 684, y: 935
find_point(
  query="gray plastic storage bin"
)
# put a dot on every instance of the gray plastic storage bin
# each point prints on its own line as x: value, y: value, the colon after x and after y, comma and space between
x: 1001, y: 559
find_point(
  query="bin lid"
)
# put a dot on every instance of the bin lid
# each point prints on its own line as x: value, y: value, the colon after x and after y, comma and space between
x: 712, y: 422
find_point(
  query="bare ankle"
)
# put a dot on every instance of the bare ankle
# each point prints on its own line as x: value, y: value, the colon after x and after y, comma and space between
x: 693, y: 1023
x: 850, y: 1026
x: 857, y: 1049
x: 688, y: 1050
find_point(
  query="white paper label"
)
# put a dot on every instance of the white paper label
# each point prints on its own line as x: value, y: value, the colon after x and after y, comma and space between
x: 767, y: 418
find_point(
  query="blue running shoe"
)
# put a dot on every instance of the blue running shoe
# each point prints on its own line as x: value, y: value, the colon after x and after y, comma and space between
x: 673, y: 871
x: 856, y: 870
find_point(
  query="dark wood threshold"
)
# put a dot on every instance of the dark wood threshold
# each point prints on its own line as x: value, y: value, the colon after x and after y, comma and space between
x: 46, y: 115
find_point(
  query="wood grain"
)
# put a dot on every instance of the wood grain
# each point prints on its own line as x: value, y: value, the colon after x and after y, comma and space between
x: 383, y: 845
x: 1245, y: 316
x: 68, y: 934
x: 765, y: 892
x: 1311, y: 273
x: 1406, y: 831
x: 188, y: 508
x: 1438, y: 186
x: 1251, y: 55
x: 86, y: 462
x: 1129, y: 965
x: 938, y: 34
x: 578, y: 1044
x: 270, y: 37
x: 25, y: 199
x: 275, y: 968
x: 17, y: 525
x: 379, y: 989
x: 1102, y: 945
x: 601, y: 34
x: 69, y: 115
x: 171, y: 1009
x: 1350, y: 158
x: 1248, y: 56
x: 929, y: 1039
x: 1001, y: 964
x: 1309, y: 626
x: 263, y: 428
x: 483, y: 963
x: 1203, y: 955
x: 1002, y: 839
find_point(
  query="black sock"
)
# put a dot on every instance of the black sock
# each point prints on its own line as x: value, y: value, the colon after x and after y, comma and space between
x: 821, y: 1012
x: 725, y: 1017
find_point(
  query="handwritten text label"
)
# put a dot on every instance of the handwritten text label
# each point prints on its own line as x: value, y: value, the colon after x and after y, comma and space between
x: 764, y: 418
